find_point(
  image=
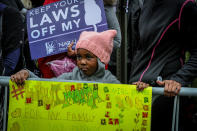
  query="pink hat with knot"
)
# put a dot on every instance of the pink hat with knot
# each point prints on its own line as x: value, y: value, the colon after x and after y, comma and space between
x: 100, y: 44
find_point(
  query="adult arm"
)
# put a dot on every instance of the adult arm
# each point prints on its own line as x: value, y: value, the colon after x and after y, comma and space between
x: 113, y: 23
x: 189, y: 30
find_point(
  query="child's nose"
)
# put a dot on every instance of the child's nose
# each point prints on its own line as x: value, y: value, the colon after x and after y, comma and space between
x: 83, y: 61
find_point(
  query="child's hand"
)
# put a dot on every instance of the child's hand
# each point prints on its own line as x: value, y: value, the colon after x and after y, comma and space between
x: 171, y: 87
x: 140, y: 85
x: 20, y: 77
x: 70, y: 51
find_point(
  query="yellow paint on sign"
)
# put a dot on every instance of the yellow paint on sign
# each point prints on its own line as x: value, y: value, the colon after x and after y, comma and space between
x: 58, y: 106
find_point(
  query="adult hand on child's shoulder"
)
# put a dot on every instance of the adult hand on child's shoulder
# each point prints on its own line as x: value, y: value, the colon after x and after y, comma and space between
x: 20, y: 77
x: 171, y: 87
x: 140, y: 85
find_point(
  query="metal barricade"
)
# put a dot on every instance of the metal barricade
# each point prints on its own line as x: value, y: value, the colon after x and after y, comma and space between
x: 185, y: 91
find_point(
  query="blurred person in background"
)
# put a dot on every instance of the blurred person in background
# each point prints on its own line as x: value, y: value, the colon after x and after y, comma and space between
x: 159, y: 33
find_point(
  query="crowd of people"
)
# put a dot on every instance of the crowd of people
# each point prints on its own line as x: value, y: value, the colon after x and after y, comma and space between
x: 159, y: 34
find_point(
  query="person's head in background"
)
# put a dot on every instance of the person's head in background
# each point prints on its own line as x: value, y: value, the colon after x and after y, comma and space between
x: 92, y: 46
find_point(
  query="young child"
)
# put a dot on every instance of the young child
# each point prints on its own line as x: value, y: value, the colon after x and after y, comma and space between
x: 93, y: 51
x: 112, y: 22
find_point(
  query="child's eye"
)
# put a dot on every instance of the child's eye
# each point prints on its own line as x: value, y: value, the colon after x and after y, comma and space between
x: 78, y: 57
x: 88, y: 57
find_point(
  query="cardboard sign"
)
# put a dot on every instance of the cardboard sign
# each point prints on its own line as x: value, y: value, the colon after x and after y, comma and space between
x: 51, y: 28
x: 63, y: 106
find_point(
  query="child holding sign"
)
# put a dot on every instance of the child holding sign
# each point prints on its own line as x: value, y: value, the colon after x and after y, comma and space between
x: 93, y: 51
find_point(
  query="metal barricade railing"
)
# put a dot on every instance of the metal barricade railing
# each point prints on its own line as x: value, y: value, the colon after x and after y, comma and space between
x: 185, y: 91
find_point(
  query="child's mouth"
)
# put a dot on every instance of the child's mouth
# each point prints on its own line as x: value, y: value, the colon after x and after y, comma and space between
x: 84, y: 69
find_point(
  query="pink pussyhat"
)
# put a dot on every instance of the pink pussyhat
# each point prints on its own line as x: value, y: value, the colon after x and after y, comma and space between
x: 100, y: 44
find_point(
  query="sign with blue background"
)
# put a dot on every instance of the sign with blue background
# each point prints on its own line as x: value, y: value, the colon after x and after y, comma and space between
x: 53, y: 27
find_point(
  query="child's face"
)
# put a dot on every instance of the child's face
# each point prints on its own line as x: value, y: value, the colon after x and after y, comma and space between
x: 86, y: 61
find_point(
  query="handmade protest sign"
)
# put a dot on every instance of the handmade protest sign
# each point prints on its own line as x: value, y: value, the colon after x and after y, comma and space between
x: 51, y: 28
x: 60, y: 106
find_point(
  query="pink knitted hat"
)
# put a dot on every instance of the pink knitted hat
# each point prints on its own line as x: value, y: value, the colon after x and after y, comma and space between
x: 100, y: 44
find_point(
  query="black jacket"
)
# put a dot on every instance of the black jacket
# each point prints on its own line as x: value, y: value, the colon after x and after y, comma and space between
x: 160, y: 31
x: 13, y: 30
x: 1, y: 51
x: 13, y: 3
